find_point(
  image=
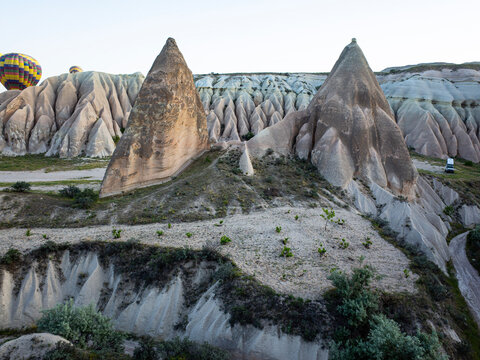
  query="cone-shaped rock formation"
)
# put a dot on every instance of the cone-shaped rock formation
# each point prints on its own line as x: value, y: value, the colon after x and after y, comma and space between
x: 348, y: 130
x: 166, y: 129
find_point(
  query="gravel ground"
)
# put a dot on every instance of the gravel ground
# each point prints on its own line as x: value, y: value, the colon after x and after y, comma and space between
x: 256, y: 246
x: 40, y: 175
x: 468, y: 278
x: 424, y: 165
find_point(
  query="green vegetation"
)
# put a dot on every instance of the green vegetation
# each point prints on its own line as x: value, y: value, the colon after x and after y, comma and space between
x: 278, y: 229
x: 21, y: 186
x: 11, y: 257
x: 286, y: 252
x: 116, y: 233
x: 31, y: 162
x: 344, y: 244
x: 83, y: 326
x: 64, y: 351
x: 116, y: 139
x: 321, y: 250
x: 224, y: 240
x: 28, y: 232
x: 178, y: 349
x: 363, y: 332
x: 449, y: 210
x: 70, y: 191
x: 465, y: 180
x: 85, y: 199
x: 188, y: 234
x: 473, y: 248
x: 367, y: 243
x: 159, y: 233
x: 438, y: 301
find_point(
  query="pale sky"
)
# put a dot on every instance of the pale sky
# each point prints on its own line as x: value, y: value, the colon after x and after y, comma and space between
x: 118, y: 36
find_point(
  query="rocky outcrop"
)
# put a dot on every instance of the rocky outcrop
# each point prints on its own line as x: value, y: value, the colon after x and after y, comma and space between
x: 435, y: 105
x: 347, y: 130
x: 68, y: 115
x: 31, y: 346
x: 144, y: 309
x: 166, y: 129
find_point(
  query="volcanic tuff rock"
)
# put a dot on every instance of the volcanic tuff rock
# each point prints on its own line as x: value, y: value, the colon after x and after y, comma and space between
x: 347, y: 130
x: 166, y: 129
x: 67, y: 115
x: 435, y: 105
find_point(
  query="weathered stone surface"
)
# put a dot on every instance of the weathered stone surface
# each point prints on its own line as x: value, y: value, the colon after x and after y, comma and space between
x: 31, y: 346
x: 166, y: 129
x: 245, y: 164
x: 469, y: 215
x: 347, y: 131
x: 56, y: 117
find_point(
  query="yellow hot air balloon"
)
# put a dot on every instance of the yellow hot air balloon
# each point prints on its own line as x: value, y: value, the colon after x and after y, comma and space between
x: 75, y: 69
x: 19, y: 71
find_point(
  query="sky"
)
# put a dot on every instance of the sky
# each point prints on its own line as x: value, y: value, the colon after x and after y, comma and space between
x: 225, y: 36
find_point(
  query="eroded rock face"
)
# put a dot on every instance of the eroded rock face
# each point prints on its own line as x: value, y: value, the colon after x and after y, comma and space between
x: 166, y: 129
x: 31, y: 346
x: 61, y: 116
x: 347, y: 130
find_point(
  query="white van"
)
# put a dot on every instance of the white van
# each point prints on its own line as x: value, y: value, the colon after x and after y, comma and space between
x: 449, y: 167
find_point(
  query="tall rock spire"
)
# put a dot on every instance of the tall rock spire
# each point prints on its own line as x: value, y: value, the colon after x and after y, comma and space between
x: 167, y: 127
x: 348, y: 130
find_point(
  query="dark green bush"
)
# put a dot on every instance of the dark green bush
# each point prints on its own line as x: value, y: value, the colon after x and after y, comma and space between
x: 85, y: 199
x: 83, y: 326
x: 63, y: 351
x: 11, y: 256
x: 185, y: 349
x: 70, y: 191
x: 474, y: 235
x: 468, y: 163
x: 20, y: 186
x: 363, y: 333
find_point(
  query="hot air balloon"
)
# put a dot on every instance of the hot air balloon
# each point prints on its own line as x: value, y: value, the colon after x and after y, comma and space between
x: 19, y: 71
x: 75, y: 69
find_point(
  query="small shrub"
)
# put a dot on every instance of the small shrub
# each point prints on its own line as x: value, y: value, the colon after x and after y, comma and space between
x: 159, y: 233
x: 224, y: 240
x: 344, y: 244
x: 189, y: 234
x: 286, y: 252
x: 28, y: 232
x: 70, y: 191
x: 146, y: 350
x: 448, y: 210
x: 328, y: 215
x: 85, y: 199
x: 474, y: 235
x: 11, y: 256
x: 285, y: 241
x: 83, y: 326
x: 367, y: 243
x: 278, y: 229
x: 296, y: 217
x: 248, y: 136
x: 340, y: 221
x: 169, y: 226
x: 117, y: 234
x: 116, y: 139
x: 468, y: 163
x: 406, y: 272
x: 44, y: 236
x: 21, y: 186
x: 321, y: 250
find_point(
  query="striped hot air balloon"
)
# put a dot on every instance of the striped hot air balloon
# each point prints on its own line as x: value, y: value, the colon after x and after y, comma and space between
x: 75, y: 69
x: 19, y: 71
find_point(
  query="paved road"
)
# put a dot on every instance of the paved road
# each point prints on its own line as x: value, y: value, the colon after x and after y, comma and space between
x: 468, y: 278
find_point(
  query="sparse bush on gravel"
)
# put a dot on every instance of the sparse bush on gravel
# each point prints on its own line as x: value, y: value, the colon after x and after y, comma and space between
x: 11, y: 256
x: 85, y: 199
x: 70, y: 191
x: 21, y: 186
